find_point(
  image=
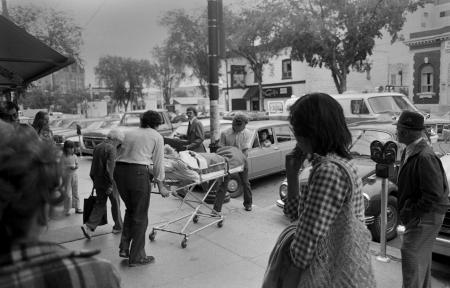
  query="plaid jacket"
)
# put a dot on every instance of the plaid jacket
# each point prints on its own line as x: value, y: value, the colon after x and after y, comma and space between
x: 36, y: 265
x: 318, y: 204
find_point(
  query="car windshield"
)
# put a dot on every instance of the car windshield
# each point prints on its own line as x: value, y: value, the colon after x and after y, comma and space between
x: 82, y: 124
x: 131, y: 119
x: 64, y: 123
x: 109, y: 124
x: 361, y: 139
x: 394, y: 104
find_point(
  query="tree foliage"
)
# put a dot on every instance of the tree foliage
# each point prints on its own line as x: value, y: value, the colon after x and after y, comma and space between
x: 166, y: 69
x: 339, y: 34
x: 252, y: 34
x: 55, y: 28
x: 188, y: 37
x: 125, y: 76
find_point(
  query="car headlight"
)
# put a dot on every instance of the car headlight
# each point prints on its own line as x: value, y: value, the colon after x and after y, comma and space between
x: 366, y: 201
x: 283, y: 191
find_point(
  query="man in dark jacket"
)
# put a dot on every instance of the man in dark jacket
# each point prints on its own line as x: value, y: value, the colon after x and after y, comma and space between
x: 423, y: 200
x: 102, y: 169
x: 195, y: 134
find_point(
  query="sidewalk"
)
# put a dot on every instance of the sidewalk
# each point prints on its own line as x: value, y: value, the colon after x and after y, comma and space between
x: 232, y: 256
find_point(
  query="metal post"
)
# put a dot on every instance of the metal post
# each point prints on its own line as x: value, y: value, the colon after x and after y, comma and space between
x: 213, y: 57
x: 383, y: 221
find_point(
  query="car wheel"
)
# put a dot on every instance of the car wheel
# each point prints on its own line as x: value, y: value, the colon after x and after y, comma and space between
x: 392, y: 222
x: 234, y: 186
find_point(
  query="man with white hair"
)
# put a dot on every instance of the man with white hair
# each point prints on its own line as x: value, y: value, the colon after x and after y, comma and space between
x: 102, y: 169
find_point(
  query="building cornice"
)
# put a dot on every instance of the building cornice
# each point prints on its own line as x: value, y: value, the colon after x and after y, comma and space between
x: 428, y: 37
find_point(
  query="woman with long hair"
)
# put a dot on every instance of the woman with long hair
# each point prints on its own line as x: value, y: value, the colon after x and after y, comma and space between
x: 329, y: 244
x: 42, y: 127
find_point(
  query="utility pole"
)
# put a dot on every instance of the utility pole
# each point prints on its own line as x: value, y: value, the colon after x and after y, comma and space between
x: 214, y: 9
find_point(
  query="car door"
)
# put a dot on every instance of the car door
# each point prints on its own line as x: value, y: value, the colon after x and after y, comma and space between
x: 263, y: 160
x: 285, y: 141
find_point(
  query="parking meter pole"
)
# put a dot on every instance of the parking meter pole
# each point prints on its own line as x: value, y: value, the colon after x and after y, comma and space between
x: 383, y: 221
x: 79, y: 141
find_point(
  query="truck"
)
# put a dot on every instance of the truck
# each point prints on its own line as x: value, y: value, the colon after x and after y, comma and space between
x: 130, y: 120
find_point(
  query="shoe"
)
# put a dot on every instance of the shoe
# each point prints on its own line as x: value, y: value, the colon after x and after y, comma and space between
x: 124, y: 253
x: 216, y: 213
x: 79, y: 211
x: 67, y: 213
x: 87, y: 232
x: 116, y: 231
x: 248, y: 207
x: 144, y: 261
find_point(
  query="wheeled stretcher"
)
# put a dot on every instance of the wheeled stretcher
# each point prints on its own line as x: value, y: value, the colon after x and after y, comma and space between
x: 197, y: 203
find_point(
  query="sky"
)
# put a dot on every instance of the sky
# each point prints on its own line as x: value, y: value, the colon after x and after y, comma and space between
x: 126, y: 28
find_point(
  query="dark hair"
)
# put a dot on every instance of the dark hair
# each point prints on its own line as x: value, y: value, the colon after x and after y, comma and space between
x: 39, y: 121
x: 151, y: 119
x: 11, y: 105
x: 4, y: 111
x: 29, y: 179
x: 67, y: 145
x: 320, y: 118
x: 192, y: 108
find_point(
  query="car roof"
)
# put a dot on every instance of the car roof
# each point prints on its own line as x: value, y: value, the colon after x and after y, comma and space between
x: 365, y: 95
x: 265, y: 123
x: 387, y: 126
x: 143, y: 111
x: 207, y: 121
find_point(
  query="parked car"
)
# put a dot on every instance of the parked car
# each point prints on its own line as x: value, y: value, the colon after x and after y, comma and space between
x: 264, y: 161
x: 130, y: 120
x: 363, y: 135
x: 88, y: 124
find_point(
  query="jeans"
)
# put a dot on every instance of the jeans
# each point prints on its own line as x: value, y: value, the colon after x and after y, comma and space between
x: 221, y: 190
x: 134, y: 185
x: 417, y: 246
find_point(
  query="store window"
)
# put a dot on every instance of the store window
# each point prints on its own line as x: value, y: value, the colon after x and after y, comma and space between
x: 426, y: 79
x: 237, y: 76
x: 286, y: 69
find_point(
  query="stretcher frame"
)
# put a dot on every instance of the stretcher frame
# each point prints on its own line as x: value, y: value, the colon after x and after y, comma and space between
x: 195, y: 202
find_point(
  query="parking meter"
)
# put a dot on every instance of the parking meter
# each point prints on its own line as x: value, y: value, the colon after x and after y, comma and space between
x: 78, y: 129
x: 79, y: 137
x: 384, y: 155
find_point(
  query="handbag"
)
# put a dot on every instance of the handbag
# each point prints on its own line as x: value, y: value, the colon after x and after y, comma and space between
x: 88, y: 206
x: 341, y: 258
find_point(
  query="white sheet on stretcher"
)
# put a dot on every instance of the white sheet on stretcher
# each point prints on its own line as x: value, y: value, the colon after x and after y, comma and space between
x: 208, y: 176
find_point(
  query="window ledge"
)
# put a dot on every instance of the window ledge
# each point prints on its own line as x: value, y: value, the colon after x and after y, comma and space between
x: 426, y: 94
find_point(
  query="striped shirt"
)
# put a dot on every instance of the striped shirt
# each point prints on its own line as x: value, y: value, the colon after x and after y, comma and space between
x: 319, y: 203
x: 41, y: 265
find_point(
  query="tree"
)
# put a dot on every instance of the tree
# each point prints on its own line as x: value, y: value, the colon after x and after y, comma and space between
x: 188, y: 35
x: 339, y: 34
x: 166, y: 69
x: 252, y: 34
x: 125, y: 76
x: 55, y: 28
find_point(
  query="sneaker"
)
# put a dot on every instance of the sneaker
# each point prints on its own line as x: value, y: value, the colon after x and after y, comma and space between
x: 116, y: 231
x: 86, y: 231
x: 216, y: 213
x: 248, y: 207
x: 143, y: 261
x: 67, y: 213
x: 124, y: 253
x: 79, y: 211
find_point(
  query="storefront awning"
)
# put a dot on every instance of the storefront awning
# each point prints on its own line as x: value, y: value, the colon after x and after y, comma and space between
x: 24, y: 58
x: 251, y: 92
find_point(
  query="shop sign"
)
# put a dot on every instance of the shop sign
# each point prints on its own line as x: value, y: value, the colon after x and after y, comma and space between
x: 277, y: 92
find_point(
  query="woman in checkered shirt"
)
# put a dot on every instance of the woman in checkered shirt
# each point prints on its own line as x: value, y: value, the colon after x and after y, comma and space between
x: 30, y: 183
x: 321, y: 132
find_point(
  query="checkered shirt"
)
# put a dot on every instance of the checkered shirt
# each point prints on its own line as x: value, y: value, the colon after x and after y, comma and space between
x: 41, y: 265
x: 319, y: 203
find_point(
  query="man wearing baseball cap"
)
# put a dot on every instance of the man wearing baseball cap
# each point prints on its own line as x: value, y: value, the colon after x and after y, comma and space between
x: 423, y: 200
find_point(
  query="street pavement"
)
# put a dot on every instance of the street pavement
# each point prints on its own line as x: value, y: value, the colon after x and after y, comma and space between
x: 234, y: 255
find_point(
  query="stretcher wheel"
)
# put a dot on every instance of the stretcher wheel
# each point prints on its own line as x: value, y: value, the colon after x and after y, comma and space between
x: 184, y: 243
x: 152, y: 235
x: 195, y: 219
x: 220, y: 224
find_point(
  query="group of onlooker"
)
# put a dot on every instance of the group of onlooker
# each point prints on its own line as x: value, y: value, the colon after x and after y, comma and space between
x: 326, y: 246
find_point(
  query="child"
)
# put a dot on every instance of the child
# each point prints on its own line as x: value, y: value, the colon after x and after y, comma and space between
x: 70, y: 165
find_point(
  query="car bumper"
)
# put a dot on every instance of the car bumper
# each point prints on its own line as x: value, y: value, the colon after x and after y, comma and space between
x: 442, y: 245
x: 367, y: 219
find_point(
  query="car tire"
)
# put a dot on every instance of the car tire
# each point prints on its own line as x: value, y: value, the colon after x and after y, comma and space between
x: 234, y: 186
x: 392, y: 222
